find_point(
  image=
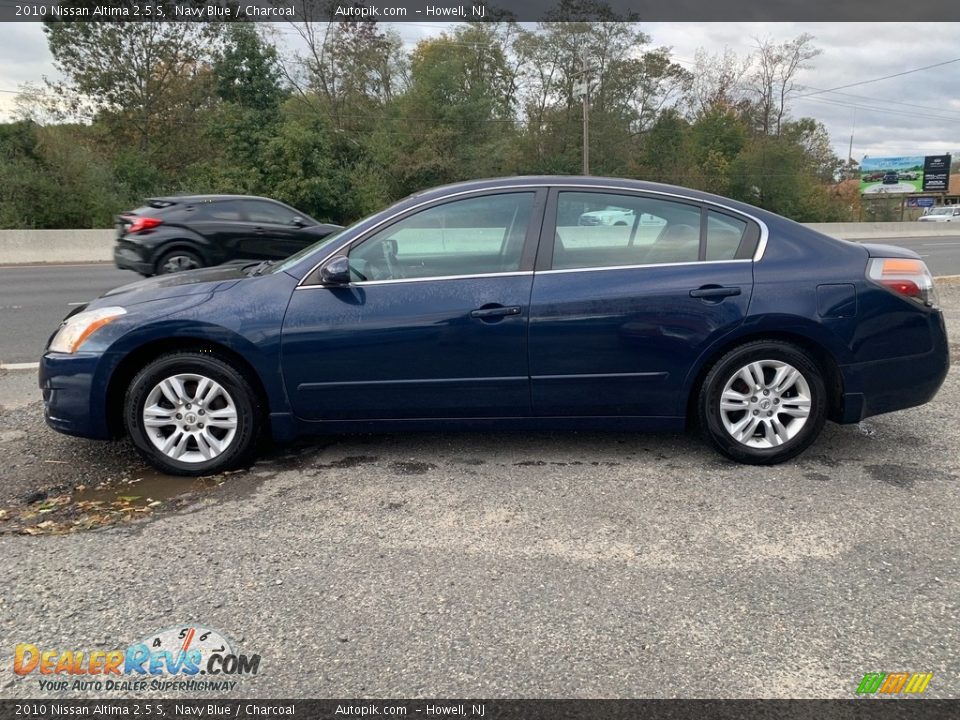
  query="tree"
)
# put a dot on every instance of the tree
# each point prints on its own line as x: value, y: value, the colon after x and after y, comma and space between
x: 773, y: 81
x: 248, y: 82
x: 138, y: 77
x: 718, y: 82
x: 349, y: 72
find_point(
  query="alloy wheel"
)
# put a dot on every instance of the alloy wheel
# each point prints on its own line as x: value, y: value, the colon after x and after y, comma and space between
x: 190, y: 418
x: 765, y: 403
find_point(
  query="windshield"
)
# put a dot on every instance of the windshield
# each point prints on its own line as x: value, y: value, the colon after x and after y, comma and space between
x: 940, y: 211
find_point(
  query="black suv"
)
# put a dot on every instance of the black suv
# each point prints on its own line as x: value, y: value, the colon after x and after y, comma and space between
x: 169, y: 234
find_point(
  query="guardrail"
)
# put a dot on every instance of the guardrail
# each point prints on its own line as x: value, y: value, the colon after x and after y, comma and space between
x: 23, y: 247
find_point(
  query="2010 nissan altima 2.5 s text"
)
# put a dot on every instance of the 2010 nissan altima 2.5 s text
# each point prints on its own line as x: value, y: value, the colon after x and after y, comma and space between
x: 491, y: 304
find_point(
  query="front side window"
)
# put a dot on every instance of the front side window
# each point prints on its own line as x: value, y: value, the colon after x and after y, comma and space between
x: 259, y: 211
x: 609, y: 230
x: 473, y: 236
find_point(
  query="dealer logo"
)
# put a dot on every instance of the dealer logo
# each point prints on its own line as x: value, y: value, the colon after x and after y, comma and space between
x: 182, y: 652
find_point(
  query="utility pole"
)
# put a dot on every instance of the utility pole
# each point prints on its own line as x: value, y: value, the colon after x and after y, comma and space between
x: 582, y: 89
x: 850, y: 149
x: 586, y: 130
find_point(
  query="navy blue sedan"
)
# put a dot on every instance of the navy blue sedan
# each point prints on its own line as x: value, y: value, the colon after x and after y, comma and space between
x: 534, y: 302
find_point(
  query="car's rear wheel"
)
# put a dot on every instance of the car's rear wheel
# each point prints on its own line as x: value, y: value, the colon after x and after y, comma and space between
x: 763, y: 402
x: 178, y: 261
x: 192, y: 413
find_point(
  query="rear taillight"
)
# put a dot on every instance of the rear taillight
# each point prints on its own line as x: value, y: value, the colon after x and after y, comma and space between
x: 905, y: 276
x: 143, y: 223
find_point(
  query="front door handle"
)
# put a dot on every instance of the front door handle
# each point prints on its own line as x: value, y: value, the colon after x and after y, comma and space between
x: 495, y: 311
x: 714, y: 291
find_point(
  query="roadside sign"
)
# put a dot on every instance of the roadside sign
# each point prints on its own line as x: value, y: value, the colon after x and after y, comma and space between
x: 936, y: 173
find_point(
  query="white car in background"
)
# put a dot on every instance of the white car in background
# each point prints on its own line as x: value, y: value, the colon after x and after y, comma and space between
x: 612, y: 215
x: 950, y: 213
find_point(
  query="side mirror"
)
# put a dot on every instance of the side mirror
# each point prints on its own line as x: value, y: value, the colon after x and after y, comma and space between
x: 298, y: 222
x: 336, y: 272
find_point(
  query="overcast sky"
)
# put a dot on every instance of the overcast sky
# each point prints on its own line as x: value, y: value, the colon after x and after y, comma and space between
x: 917, y: 114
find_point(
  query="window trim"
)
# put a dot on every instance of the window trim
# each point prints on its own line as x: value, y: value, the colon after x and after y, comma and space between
x: 548, y: 190
x: 527, y: 252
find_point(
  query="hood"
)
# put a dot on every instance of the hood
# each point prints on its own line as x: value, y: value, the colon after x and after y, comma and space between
x: 190, y: 282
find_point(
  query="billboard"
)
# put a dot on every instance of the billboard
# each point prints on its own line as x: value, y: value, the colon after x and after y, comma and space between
x: 936, y: 173
x: 909, y: 174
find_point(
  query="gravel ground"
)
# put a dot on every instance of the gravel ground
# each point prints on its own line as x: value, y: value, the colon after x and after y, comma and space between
x: 516, y: 565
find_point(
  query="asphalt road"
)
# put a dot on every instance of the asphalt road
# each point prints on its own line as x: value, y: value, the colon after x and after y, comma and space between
x: 517, y: 564
x: 34, y: 299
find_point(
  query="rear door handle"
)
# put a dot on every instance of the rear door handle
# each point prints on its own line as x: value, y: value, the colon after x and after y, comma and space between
x: 714, y: 292
x: 497, y: 311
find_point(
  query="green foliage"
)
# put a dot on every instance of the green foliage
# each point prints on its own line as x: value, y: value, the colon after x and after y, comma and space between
x: 356, y: 121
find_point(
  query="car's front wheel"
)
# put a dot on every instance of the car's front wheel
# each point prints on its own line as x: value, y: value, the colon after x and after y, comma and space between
x: 763, y: 402
x: 192, y: 413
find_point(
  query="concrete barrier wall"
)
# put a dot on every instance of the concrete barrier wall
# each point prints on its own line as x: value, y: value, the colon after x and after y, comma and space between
x: 21, y: 247
x: 864, y: 231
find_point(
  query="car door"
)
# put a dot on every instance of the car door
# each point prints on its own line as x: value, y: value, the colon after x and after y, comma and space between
x: 221, y: 222
x: 270, y: 231
x: 619, y: 314
x: 433, y: 323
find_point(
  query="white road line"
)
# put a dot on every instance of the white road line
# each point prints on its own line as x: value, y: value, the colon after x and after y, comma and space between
x: 84, y: 302
x: 20, y: 366
x: 939, y: 244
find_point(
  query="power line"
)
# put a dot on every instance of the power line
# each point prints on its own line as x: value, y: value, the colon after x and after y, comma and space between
x: 876, y: 99
x: 885, y: 77
x: 881, y: 110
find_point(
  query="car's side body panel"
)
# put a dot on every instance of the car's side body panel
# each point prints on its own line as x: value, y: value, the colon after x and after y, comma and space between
x: 608, y: 347
x: 408, y: 350
x: 619, y: 341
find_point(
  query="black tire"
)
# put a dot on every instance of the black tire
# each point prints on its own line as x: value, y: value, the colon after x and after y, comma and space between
x: 711, y: 420
x: 179, y: 260
x: 243, y: 444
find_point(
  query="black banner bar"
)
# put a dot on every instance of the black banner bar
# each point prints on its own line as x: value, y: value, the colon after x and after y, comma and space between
x: 448, y: 11
x: 223, y: 709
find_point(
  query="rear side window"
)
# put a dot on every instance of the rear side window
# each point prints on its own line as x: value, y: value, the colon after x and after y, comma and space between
x: 724, y: 235
x: 608, y: 230
x: 226, y: 210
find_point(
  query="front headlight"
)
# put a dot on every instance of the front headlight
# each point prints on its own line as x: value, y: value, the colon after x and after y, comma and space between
x: 76, y: 329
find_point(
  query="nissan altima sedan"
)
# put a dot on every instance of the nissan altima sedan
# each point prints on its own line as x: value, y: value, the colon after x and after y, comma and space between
x: 489, y: 305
